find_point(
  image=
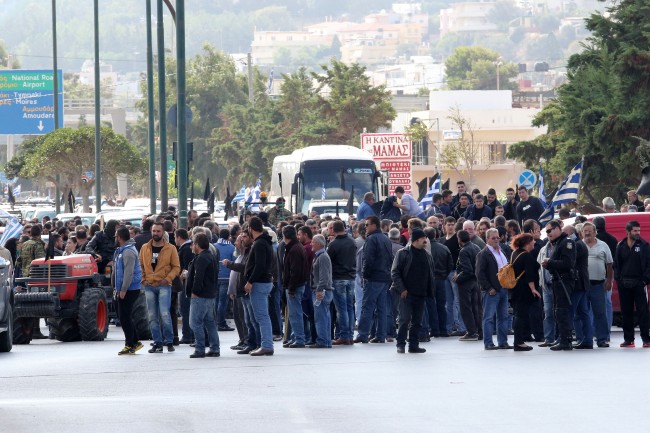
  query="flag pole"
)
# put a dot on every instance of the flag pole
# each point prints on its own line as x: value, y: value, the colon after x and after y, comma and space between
x: 582, y: 171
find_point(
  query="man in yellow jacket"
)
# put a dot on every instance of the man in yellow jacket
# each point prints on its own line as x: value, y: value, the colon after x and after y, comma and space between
x: 160, y: 265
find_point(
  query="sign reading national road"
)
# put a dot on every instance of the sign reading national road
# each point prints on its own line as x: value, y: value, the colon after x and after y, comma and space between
x: 27, y: 101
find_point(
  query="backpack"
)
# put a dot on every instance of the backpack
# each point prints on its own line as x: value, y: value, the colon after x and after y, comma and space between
x: 506, y: 274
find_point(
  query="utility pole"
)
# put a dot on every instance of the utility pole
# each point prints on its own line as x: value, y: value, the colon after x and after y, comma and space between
x: 55, y: 83
x: 98, y: 133
x: 181, y: 165
x: 162, y: 109
x: 151, y: 119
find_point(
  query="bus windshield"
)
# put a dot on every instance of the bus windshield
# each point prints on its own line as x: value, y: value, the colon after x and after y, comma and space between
x: 322, y: 180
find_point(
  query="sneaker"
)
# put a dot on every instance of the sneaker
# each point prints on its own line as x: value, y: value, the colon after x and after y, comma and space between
x: 628, y: 344
x: 138, y: 346
x: 170, y: 348
x: 127, y: 350
x: 469, y: 337
x: 156, y: 349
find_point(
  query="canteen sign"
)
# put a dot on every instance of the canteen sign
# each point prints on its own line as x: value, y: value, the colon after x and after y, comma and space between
x: 391, y: 152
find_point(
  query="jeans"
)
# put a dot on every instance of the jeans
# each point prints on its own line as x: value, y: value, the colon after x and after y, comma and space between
x: 159, y: 300
x: 374, y: 298
x: 294, y: 305
x: 344, y: 301
x: 323, y: 319
x: 597, y: 299
x: 411, y: 310
x: 308, y: 317
x: 496, y: 305
x: 358, y: 297
x: 550, y: 334
x: 202, y: 315
x: 392, y: 303
x: 581, y: 318
x: 609, y: 311
x: 454, y: 319
x: 435, y: 313
x: 222, y: 303
x: 260, y: 301
x: 125, y: 313
x: 253, y: 338
x: 469, y: 297
x: 185, y: 314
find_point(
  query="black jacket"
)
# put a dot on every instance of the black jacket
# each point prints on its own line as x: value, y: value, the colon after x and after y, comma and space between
x: 443, y: 261
x: 202, y: 276
x: 378, y: 257
x: 185, y: 255
x: 402, y: 267
x: 294, y: 272
x: 102, y: 245
x: 466, y: 266
x: 632, y: 263
x: 343, y: 254
x: 141, y: 239
x: 562, y: 262
x: 510, y: 210
x: 529, y: 209
x: 259, y: 267
x: 487, y: 269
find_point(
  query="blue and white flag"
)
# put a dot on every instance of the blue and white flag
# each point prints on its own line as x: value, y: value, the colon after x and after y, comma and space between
x: 13, y: 229
x: 240, y: 195
x: 542, y: 192
x: 16, y: 190
x: 270, y: 85
x: 322, y: 192
x: 427, y: 200
x: 566, y: 193
x: 254, y: 196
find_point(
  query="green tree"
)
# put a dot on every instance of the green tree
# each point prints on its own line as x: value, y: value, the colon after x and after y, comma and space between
x: 474, y: 68
x: 70, y: 153
x: 603, y: 106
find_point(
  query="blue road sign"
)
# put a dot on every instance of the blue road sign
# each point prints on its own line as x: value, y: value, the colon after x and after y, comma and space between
x: 27, y: 101
x: 527, y: 178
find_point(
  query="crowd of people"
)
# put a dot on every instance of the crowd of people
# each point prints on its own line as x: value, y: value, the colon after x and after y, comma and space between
x: 403, y: 276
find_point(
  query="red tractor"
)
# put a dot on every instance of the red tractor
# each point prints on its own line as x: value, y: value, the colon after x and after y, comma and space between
x: 76, y: 301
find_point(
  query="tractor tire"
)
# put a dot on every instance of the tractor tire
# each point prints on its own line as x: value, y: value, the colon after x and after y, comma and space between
x: 65, y: 330
x: 93, y: 315
x: 140, y: 318
x: 6, y: 338
x: 22, y: 330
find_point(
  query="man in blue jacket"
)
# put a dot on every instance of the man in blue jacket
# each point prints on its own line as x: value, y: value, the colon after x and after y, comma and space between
x: 378, y: 252
x: 226, y: 251
x: 127, y: 276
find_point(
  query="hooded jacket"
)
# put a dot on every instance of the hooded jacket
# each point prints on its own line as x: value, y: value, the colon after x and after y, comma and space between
x: 259, y: 266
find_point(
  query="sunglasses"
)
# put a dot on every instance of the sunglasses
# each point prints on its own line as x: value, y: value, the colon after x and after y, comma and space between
x: 549, y: 231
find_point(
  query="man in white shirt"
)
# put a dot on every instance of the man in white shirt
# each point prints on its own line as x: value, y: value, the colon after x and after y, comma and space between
x: 601, y: 275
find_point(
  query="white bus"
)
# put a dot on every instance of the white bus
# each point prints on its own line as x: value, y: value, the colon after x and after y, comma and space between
x: 325, y: 173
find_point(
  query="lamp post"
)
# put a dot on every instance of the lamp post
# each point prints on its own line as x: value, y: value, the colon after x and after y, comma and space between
x: 498, y: 63
x: 151, y: 120
x: 55, y: 83
x: 98, y: 136
x: 182, y: 138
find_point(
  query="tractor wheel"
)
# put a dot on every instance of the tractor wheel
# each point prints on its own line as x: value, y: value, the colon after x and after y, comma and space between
x: 6, y: 338
x: 140, y: 318
x: 93, y: 315
x: 64, y: 329
x: 22, y: 329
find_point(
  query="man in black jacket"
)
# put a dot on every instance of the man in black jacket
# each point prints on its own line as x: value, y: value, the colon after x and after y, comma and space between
x: 202, y: 288
x: 259, y: 282
x: 185, y: 256
x: 294, y: 276
x: 436, y: 307
x: 632, y: 274
x: 342, y: 252
x: 413, y: 278
x: 582, y: 321
x: 467, y: 286
x: 378, y: 254
x: 495, y: 298
x: 561, y: 265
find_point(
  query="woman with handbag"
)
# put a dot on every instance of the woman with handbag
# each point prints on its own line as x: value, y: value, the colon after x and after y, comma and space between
x: 526, y: 290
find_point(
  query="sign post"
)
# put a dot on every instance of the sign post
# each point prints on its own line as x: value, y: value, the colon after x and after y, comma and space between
x: 27, y: 101
x: 393, y: 153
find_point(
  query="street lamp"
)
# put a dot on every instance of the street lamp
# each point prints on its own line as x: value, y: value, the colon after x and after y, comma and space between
x: 498, y: 63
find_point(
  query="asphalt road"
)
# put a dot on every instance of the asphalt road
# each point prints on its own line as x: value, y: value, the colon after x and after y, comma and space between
x: 53, y: 387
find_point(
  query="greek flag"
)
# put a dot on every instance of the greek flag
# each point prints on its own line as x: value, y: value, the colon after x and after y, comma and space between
x: 254, y: 196
x: 240, y: 195
x: 428, y: 198
x: 13, y: 229
x: 322, y: 192
x: 542, y: 192
x: 16, y: 191
x: 566, y: 193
